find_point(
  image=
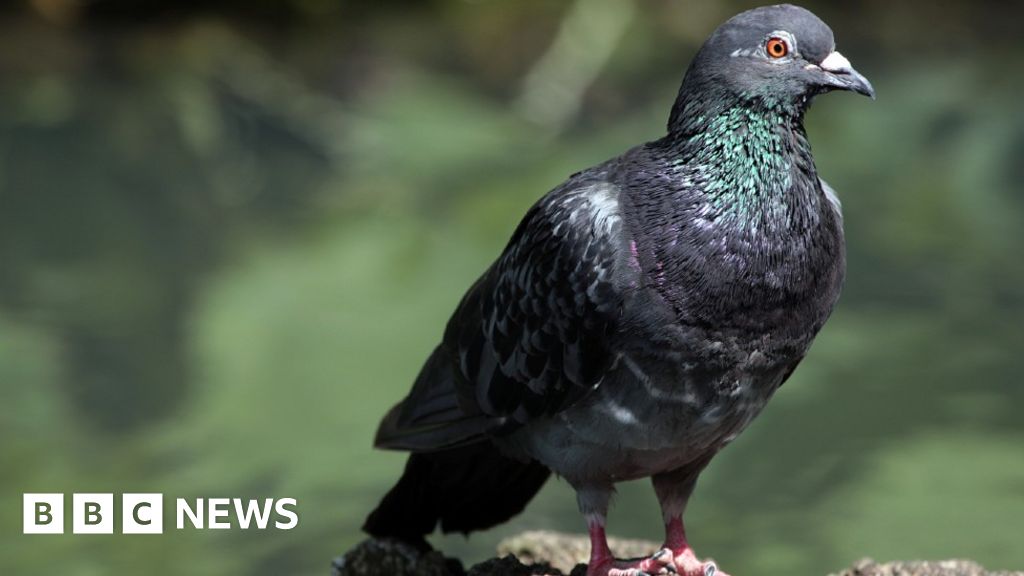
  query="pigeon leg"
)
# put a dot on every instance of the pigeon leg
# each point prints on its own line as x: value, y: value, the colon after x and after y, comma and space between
x: 684, y: 559
x: 673, y: 490
x: 603, y: 563
x: 593, y: 503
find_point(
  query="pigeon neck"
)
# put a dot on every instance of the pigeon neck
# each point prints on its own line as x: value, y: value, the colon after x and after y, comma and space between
x: 698, y: 103
x: 752, y: 162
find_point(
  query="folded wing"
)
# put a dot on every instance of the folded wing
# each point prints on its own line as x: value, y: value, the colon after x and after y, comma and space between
x: 533, y: 334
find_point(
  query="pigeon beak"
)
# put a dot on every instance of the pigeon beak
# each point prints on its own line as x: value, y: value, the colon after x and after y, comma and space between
x: 842, y: 76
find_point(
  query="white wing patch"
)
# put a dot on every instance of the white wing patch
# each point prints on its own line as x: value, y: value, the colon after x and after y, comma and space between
x: 600, y: 206
x: 832, y: 197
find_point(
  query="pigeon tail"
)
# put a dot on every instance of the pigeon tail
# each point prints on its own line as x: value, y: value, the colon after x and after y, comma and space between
x: 471, y: 487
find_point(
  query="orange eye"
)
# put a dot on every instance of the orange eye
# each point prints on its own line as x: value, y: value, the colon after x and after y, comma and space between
x: 776, y: 47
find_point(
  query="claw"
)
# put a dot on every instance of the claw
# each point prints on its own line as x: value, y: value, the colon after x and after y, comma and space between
x: 671, y: 569
x: 657, y: 556
x: 710, y: 569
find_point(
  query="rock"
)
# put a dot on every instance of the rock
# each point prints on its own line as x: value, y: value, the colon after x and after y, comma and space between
x: 383, y: 557
x: 868, y: 567
x: 509, y: 565
x: 542, y: 553
x: 565, y: 551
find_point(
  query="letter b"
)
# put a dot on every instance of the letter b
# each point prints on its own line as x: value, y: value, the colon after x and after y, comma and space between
x: 92, y: 514
x: 42, y: 513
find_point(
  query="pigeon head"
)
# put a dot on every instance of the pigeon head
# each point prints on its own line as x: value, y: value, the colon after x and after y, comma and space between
x: 774, y: 56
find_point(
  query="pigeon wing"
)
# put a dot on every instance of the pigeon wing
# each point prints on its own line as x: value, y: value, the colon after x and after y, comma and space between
x: 533, y: 336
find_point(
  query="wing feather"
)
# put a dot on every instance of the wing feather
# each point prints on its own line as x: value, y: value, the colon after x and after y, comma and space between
x: 533, y: 334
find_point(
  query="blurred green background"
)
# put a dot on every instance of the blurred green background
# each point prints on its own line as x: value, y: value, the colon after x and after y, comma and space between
x: 231, y: 231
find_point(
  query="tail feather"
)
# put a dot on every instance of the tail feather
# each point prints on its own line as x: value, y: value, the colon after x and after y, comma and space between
x: 463, y: 489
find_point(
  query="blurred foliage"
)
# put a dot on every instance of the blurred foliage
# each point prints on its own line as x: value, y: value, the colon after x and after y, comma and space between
x: 231, y: 231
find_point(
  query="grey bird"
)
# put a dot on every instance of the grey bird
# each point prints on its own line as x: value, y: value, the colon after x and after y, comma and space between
x: 643, y: 312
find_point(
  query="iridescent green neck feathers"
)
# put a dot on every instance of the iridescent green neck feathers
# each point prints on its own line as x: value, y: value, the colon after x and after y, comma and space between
x: 743, y: 161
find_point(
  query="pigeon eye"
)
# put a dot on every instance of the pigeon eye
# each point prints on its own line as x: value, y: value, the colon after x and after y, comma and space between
x: 776, y: 47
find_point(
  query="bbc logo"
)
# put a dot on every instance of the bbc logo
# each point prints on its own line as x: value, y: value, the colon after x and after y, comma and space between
x: 144, y: 513
x: 93, y: 513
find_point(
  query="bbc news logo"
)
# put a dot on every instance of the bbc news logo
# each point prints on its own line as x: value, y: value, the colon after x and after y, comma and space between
x: 144, y: 513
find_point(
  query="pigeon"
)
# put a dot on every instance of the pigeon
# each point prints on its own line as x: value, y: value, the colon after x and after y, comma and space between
x: 643, y: 312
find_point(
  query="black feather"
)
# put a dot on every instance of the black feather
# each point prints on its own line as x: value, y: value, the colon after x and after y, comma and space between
x: 462, y: 489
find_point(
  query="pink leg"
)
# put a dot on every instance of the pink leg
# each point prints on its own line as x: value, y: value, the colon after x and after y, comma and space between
x: 684, y: 559
x: 673, y: 490
x: 603, y: 563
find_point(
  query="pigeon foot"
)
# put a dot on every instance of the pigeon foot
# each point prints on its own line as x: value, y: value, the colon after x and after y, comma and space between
x: 659, y: 563
x: 686, y: 563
